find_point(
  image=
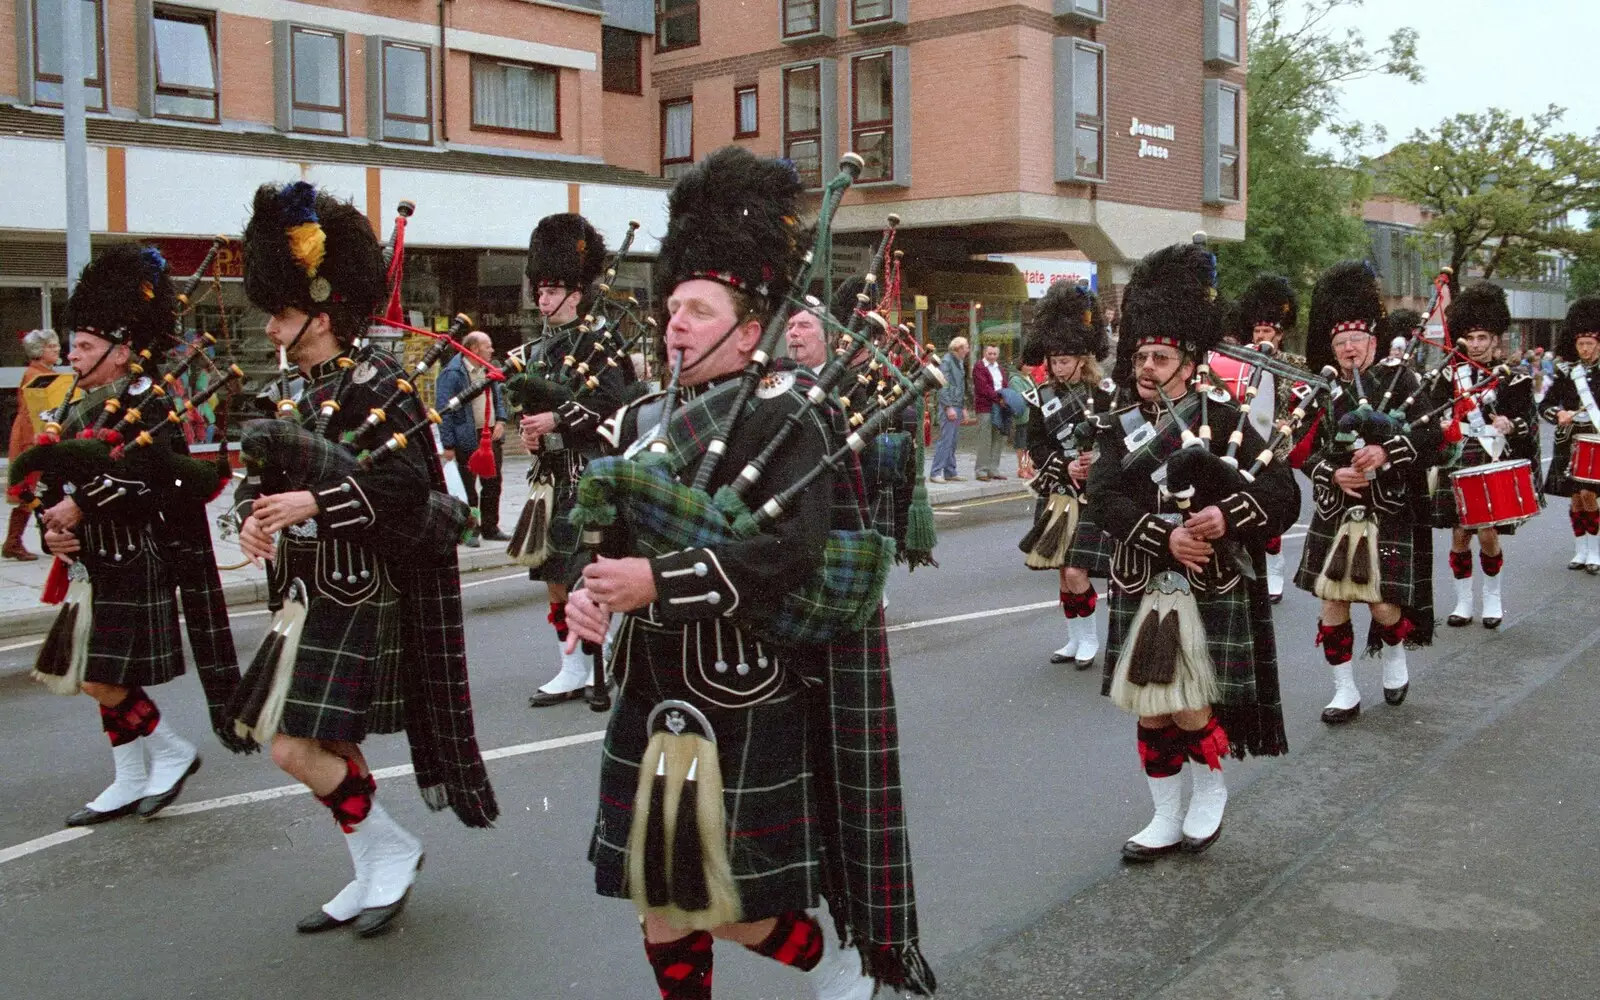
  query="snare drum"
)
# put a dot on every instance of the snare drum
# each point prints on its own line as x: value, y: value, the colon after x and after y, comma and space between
x: 1495, y: 494
x: 1585, y: 465
x: 1233, y: 375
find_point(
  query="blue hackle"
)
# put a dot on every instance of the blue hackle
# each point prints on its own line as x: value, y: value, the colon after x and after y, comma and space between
x: 299, y: 203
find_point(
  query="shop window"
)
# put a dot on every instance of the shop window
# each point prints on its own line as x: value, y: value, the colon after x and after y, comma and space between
x: 183, y: 64
x: 621, y: 61
x: 515, y: 97
x: 746, y: 112
x: 810, y: 118
x: 677, y: 137
x: 807, y: 20
x: 1224, y: 179
x: 310, y: 69
x: 677, y: 24
x: 1087, y: 12
x: 44, y: 24
x: 1222, y: 24
x: 879, y: 15
x: 1080, y: 71
x: 400, y: 92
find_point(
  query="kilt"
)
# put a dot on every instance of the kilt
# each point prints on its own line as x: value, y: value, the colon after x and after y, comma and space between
x: 136, y: 640
x: 769, y: 795
x: 567, y: 556
x: 1229, y: 639
x: 1398, y: 566
x: 1090, y: 549
x: 346, y: 679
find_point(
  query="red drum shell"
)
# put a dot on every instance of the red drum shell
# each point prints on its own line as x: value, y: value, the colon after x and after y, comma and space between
x: 1585, y: 466
x: 1233, y: 375
x: 1495, y: 494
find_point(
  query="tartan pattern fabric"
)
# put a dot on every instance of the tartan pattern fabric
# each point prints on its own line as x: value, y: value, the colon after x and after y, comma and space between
x: 1398, y: 566
x: 1090, y: 549
x: 134, y: 716
x: 135, y: 641
x: 888, y: 474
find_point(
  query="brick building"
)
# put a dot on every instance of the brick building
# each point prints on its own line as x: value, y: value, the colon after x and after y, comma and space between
x: 1088, y: 129
x: 487, y: 119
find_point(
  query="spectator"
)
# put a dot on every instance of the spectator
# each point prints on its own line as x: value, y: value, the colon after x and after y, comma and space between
x: 988, y: 378
x: 461, y: 432
x: 43, y: 349
x: 952, y: 402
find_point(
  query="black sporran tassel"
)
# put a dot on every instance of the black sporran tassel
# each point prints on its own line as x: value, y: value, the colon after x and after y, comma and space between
x: 1161, y: 656
x: 519, y: 534
x: 1339, y: 562
x: 250, y: 696
x: 55, y: 656
x: 656, y: 890
x: 1361, y: 562
x: 1144, y: 641
x: 689, y: 889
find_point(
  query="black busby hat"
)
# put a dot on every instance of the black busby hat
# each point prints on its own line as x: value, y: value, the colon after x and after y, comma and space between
x: 125, y: 296
x: 1269, y: 300
x: 1480, y: 306
x: 1067, y: 320
x: 1346, y: 297
x: 305, y: 249
x: 733, y: 219
x: 565, y: 250
x: 1583, y: 317
x: 1400, y: 323
x: 1171, y: 298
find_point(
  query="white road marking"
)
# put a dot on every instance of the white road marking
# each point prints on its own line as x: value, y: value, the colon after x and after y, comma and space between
x: 28, y: 847
x: 969, y: 616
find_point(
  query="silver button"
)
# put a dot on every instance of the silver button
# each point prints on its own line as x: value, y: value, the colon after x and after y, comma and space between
x: 742, y: 669
x: 721, y: 666
x: 700, y: 569
x: 713, y: 598
x: 337, y: 577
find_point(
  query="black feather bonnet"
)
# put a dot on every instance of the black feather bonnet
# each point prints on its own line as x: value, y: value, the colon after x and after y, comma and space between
x: 307, y: 250
x: 125, y: 296
x: 1171, y: 298
x: 1480, y: 306
x: 1067, y: 321
x: 1346, y: 297
x: 565, y: 251
x: 1583, y: 319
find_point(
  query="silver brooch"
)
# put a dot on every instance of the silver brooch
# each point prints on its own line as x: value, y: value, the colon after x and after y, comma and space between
x: 364, y: 373
x: 676, y: 723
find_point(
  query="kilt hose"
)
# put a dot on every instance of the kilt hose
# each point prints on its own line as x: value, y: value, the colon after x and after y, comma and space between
x: 136, y: 640
x: 769, y: 800
x: 1239, y: 637
x: 1090, y: 548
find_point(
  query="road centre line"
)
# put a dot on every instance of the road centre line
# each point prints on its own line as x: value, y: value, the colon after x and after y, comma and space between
x: 28, y: 847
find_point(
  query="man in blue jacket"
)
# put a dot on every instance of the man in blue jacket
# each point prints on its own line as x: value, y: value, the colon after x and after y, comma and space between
x: 952, y: 404
x: 461, y: 431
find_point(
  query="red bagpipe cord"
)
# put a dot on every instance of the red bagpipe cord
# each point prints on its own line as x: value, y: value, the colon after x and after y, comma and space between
x: 481, y: 463
x: 55, y: 585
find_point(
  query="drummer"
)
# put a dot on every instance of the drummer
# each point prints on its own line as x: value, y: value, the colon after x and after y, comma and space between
x: 1498, y: 425
x: 1575, y: 460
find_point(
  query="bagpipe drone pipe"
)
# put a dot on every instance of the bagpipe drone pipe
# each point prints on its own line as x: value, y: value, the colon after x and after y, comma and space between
x: 640, y: 495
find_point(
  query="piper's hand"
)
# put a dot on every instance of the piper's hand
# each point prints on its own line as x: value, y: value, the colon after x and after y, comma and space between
x: 61, y: 543
x: 1190, y: 550
x: 256, y: 543
x: 1503, y: 425
x: 280, y: 510
x: 1370, y: 458
x: 539, y: 423
x: 586, y: 620
x: 64, y: 516
x: 1565, y: 417
x: 499, y: 431
x: 620, y: 584
x: 1207, y: 523
x: 1079, y: 469
x: 1351, y: 480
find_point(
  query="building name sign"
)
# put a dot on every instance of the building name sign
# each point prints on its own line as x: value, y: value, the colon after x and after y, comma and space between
x: 1146, y: 132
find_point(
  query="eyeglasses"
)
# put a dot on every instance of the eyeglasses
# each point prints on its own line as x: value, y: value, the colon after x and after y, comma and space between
x: 1142, y: 358
x: 1351, y: 337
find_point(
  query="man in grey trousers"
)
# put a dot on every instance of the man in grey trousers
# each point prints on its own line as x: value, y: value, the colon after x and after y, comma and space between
x: 952, y: 403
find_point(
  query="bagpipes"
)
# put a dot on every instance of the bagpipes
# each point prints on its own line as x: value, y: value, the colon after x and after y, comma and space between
x: 640, y: 494
x: 1069, y: 418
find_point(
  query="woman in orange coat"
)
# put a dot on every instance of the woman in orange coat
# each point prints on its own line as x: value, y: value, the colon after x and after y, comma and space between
x: 43, y: 348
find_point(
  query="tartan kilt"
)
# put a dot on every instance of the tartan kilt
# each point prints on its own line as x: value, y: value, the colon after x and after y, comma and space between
x: 1229, y: 639
x: 567, y: 556
x: 346, y: 678
x: 1397, y: 562
x: 1090, y: 549
x: 136, y: 640
x: 769, y: 791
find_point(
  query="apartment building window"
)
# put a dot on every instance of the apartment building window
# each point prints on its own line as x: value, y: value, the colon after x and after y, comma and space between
x: 317, y: 90
x: 677, y: 137
x: 621, y: 61
x: 877, y: 15
x: 1080, y: 70
x: 1222, y: 24
x: 405, y: 85
x: 810, y: 118
x: 880, y: 114
x: 746, y: 112
x: 184, y: 58
x: 804, y: 21
x: 46, y: 23
x: 677, y: 24
x: 515, y: 97
x: 1224, y: 180
x: 1082, y: 11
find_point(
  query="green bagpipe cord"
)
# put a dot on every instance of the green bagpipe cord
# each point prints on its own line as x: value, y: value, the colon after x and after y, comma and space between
x: 662, y: 515
x: 921, y: 536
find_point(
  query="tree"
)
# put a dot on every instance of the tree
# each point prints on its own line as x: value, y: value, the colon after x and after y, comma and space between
x: 1500, y: 188
x: 1583, y: 277
x: 1303, y: 212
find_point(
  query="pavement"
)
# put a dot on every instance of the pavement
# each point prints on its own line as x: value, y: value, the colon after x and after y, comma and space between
x: 21, y: 613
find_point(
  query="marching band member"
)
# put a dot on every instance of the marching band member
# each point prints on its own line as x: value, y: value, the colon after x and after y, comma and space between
x: 691, y: 654
x: 806, y: 338
x: 1068, y: 337
x: 1505, y: 427
x: 1366, y: 466
x: 1190, y: 647
x: 368, y: 634
x: 1270, y: 308
x: 565, y: 256
x: 133, y: 537
x: 1569, y: 405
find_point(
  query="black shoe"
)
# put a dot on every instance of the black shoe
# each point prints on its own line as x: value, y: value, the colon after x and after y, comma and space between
x: 1274, y: 598
x: 1056, y: 659
x: 1394, y: 696
x: 89, y: 817
x: 493, y: 535
x: 1339, y: 716
x: 1139, y: 854
x: 316, y: 923
x: 376, y: 919
x: 1491, y: 623
x: 1195, y: 845
x: 544, y: 699
x: 1456, y: 621
x: 152, y: 804
x: 1083, y: 664
x: 1591, y: 569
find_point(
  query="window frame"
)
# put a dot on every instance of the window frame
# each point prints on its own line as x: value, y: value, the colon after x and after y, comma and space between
x: 827, y: 14
x: 1214, y: 152
x: 37, y: 76
x: 472, y: 97
x: 343, y: 110
x: 1067, y: 117
x: 665, y: 162
x: 208, y: 18
x: 858, y: 128
x: 897, y: 125
x: 1214, y: 13
x: 609, y: 32
x: 661, y: 25
x: 1072, y: 10
x: 826, y: 134
x: 738, y: 113
x: 898, y: 17
x: 378, y: 102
